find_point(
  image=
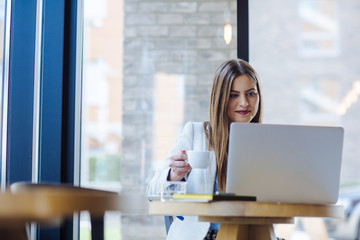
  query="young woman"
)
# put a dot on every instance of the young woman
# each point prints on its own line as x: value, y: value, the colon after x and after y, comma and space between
x: 235, y: 97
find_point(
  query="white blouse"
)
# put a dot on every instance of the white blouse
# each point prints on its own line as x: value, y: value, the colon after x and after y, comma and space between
x: 192, y: 138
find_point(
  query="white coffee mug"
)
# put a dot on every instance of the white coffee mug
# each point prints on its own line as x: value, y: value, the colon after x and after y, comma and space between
x: 198, y: 159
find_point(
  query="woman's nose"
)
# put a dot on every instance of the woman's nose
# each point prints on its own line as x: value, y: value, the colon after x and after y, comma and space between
x: 243, y: 101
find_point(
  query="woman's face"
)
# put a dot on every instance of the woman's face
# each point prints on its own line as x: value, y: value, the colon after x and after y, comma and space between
x: 244, y: 100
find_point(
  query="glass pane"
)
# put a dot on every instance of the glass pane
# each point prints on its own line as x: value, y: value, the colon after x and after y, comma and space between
x: 2, y: 35
x: 2, y: 31
x: 102, y: 104
x: 148, y: 68
x: 307, y: 55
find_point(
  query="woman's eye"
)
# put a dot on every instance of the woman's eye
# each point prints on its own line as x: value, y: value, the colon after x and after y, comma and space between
x: 234, y: 95
x: 251, y: 94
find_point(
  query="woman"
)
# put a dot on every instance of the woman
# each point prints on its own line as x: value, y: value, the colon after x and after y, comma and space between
x: 235, y: 97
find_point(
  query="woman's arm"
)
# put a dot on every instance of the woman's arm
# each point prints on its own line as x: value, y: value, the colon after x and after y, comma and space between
x: 175, y: 162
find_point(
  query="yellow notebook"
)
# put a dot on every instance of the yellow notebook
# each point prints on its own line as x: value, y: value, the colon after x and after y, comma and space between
x: 213, y: 197
x: 208, y: 197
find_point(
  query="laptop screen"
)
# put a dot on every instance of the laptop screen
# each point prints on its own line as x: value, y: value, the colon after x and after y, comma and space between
x: 285, y: 163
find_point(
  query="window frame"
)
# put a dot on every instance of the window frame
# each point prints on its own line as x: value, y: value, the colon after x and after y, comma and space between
x: 39, y: 115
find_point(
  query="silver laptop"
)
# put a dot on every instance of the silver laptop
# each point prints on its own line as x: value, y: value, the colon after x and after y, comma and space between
x: 285, y: 163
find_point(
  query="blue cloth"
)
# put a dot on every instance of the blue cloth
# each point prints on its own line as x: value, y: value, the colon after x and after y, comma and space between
x: 215, y: 226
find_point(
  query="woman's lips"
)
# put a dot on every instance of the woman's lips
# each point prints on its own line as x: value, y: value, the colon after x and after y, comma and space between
x: 243, y: 112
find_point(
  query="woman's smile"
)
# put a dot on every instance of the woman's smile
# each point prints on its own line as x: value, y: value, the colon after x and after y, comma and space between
x: 243, y: 112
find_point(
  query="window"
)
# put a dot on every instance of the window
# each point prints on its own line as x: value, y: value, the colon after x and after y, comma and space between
x: 148, y: 68
x: 306, y: 52
x: 319, y: 34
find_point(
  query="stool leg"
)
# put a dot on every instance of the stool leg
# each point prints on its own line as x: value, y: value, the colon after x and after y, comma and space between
x: 14, y: 234
x: 97, y: 227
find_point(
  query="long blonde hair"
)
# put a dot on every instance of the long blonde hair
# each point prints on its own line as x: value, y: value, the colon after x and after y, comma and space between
x: 217, y: 129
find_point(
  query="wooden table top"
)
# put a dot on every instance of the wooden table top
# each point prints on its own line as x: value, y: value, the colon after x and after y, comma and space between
x: 45, y: 204
x: 245, y: 209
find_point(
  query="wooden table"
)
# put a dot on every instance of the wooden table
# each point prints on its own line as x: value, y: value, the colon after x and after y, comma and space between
x: 51, y: 204
x: 245, y: 220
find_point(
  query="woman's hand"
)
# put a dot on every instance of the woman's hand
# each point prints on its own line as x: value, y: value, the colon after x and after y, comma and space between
x: 178, y: 166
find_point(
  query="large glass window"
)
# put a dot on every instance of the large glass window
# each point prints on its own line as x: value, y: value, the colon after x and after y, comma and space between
x: 148, y: 68
x: 307, y: 55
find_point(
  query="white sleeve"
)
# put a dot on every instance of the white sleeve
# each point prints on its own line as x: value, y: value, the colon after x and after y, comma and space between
x: 184, y: 142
